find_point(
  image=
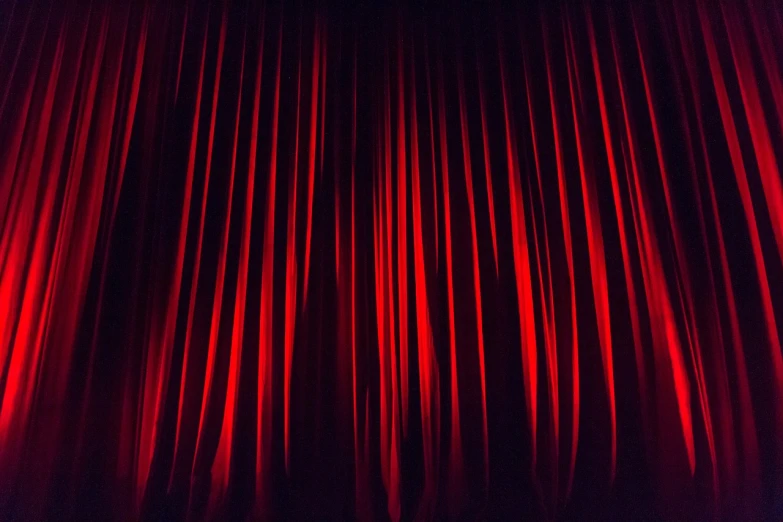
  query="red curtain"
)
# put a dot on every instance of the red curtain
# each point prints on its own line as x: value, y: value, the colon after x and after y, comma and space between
x: 264, y: 262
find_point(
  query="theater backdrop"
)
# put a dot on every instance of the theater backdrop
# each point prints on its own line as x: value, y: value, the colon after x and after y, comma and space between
x: 412, y: 261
